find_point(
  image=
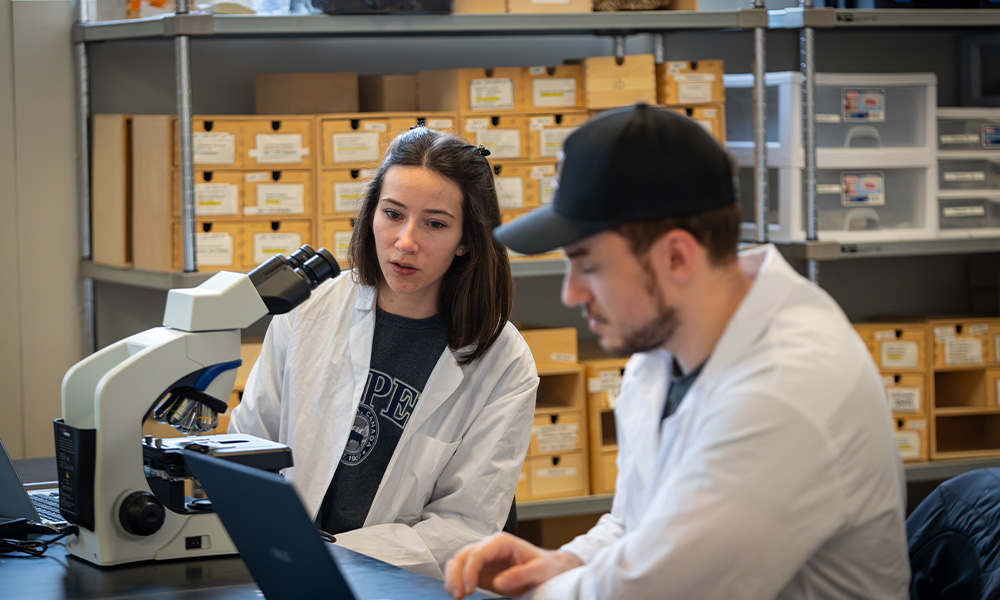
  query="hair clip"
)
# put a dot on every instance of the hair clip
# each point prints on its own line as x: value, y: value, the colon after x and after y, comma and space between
x: 419, y: 124
x: 482, y: 151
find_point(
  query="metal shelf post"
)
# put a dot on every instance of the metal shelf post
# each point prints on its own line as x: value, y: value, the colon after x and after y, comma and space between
x: 807, y: 54
x: 182, y: 49
x: 83, y: 176
x: 761, y: 217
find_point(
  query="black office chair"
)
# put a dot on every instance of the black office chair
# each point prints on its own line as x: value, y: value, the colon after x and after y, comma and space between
x: 953, y: 535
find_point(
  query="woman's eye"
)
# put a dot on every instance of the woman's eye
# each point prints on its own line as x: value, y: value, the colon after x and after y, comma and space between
x: 391, y: 213
x: 436, y: 225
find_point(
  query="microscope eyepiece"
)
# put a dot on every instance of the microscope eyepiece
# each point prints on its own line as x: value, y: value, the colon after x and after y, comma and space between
x: 320, y: 267
x: 284, y: 283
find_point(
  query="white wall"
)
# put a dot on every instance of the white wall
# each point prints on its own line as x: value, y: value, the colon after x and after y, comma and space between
x: 41, y: 312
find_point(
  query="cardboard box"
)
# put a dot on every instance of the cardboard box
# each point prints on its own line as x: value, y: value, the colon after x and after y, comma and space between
x: 911, y: 439
x: 306, y: 93
x: 217, y: 194
x: 897, y: 347
x: 489, y: 90
x: 335, y: 236
x: 354, y: 140
x: 560, y: 389
x: 558, y: 432
x: 265, y: 239
x: 546, y: 133
x: 388, y: 93
x: 152, y: 232
x: 550, y: 347
x: 279, y: 194
x: 907, y: 394
x: 604, y: 380
x: 559, y: 476
x: 608, y: 84
x: 217, y: 141
x: 279, y: 142
x: 712, y: 119
x: 550, y: 6
x: 555, y: 89
x: 519, y: 185
x: 965, y: 343
x: 505, y: 136
x: 690, y: 83
x: 110, y: 190
x: 478, y: 7
x: 342, y: 190
x: 218, y: 245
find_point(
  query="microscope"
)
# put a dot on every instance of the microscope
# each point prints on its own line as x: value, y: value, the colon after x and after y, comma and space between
x: 125, y: 492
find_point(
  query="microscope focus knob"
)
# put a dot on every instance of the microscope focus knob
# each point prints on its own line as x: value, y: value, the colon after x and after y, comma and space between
x: 141, y: 513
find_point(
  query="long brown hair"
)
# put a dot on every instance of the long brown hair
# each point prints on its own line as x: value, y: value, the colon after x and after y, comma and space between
x: 477, y: 290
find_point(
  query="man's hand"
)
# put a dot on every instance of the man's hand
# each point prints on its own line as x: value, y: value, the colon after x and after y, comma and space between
x: 504, y: 564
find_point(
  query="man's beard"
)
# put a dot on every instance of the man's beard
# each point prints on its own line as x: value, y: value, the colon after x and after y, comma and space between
x: 655, y: 332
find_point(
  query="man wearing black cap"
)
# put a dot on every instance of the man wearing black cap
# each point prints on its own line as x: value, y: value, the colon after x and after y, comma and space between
x: 756, y: 457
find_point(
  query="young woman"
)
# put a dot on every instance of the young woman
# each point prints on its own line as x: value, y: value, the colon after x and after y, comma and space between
x: 404, y: 393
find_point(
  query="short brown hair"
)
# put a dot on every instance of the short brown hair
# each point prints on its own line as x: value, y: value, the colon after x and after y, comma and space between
x: 718, y: 231
x: 477, y: 290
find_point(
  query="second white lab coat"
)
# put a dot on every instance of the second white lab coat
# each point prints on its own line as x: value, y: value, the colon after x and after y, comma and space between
x: 451, y: 479
x: 777, y: 477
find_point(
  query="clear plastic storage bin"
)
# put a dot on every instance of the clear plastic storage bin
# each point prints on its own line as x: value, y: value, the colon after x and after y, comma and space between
x: 970, y: 214
x: 972, y: 172
x: 968, y: 128
x: 891, y: 113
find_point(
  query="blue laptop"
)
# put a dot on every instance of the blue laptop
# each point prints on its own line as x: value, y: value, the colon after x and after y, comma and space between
x: 282, y: 548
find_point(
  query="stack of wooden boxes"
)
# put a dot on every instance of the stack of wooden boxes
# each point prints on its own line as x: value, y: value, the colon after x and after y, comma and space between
x: 695, y: 89
x: 604, y: 380
x: 966, y: 406
x: 556, y: 465
x: 903, y: 356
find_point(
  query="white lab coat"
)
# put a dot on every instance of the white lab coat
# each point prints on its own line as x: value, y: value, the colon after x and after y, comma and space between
x: 451, y: 480
x: 778, y: 476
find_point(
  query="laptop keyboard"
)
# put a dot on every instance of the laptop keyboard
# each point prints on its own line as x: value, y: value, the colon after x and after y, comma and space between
x: 47, y: 505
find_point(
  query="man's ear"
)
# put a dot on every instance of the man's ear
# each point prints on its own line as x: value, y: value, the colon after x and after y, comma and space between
x: 674, y: 255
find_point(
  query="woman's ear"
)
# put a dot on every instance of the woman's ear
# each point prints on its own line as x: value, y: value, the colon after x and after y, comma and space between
x: 460, y: 251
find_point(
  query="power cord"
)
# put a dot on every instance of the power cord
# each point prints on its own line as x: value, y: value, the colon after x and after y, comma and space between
x: 34, y: 547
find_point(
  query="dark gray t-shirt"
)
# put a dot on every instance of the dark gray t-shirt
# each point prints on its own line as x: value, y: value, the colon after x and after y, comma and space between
x: 680, y: 383
x: 404, y: 352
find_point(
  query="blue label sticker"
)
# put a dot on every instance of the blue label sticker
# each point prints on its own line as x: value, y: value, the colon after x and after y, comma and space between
x: 863, y: 105
x: 991, y: 136
x: 862, y: 189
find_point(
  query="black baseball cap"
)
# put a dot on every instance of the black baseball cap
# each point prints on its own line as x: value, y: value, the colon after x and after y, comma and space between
x: 637, y: 163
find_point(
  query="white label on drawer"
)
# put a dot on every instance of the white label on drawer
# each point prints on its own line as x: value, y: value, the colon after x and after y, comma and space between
x: 885, y: 335
x: 502, y: 143
x: 560, y: 472
x: 900, y: 355
x: 862, y: 189
x: 540, y: 171
x: 827, y: 118
x: 559, y: 92
x: 562, y: 357
x: 266, y: 245
x: 991, y: 136
x: 257, y: 177
x: 959, y: 138
x: 548, y: 190
x: 866, y: 105
x: 477, y: 125
x: 964, y: 176
x: 557, y: 438
x: 216, y: 199
x: 346, y: 195
x: 279, y: 198
x: 694, y: 77
x: 606, y: 381
x: 442, y: 124
x: 888, y: 380
x: 916, y: 424
x: 963, y: 351
x: 540, y: 123
x: 214, y: 249
x: 908, y: 443
x: 341, y: 244
x: 903, y: 400
x: 979, y: 329
x: 706, y: 124
x: 693, y: 92
x: 273, y: 148
x: 491, y: 94
x: 829, y: 188
x: 510, y: 192
x: 943, y: 333
x: 355, y: 147
x: 537, y: 70
x: 213, y: 149
x: 550, y: 141
x: 375, y: 126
